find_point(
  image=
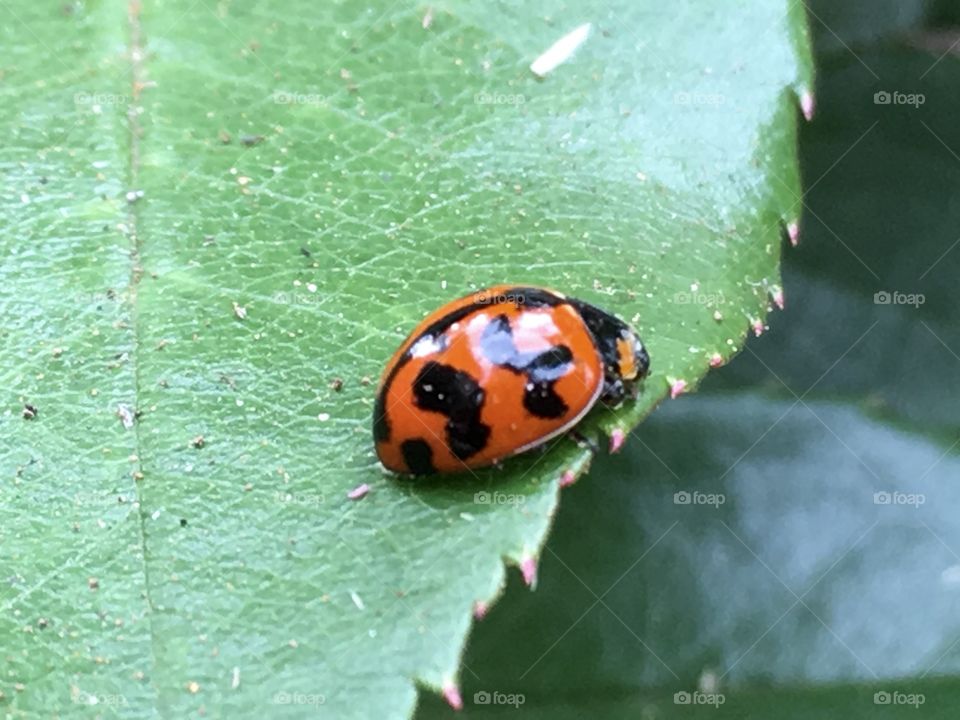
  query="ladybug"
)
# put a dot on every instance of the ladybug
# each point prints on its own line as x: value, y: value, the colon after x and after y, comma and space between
x: 497, y: 373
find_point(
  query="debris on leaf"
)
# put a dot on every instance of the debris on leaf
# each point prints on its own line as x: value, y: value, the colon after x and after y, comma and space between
x: 360, y: 491
x: 561, y: 51
x: 127, y: 416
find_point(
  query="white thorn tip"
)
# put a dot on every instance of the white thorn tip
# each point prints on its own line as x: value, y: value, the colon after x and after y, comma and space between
x: 793, y: 232
x: 617, y: 438
x: 528, y: 567
x: 677, y: 388
x: 451, y: 693
x: 808, y: 104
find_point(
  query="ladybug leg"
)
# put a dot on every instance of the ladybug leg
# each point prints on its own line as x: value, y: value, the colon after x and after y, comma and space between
x: 614, y: 391
x: 584, y: 441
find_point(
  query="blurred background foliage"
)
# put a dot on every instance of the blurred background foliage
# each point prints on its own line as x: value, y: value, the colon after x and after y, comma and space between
x: 827, y: 583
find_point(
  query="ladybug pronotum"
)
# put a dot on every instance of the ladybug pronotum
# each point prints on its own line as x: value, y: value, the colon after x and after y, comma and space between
x: 497, y: 373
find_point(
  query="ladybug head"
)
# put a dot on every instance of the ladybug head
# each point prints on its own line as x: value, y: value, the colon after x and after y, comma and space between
x: 633, y: 363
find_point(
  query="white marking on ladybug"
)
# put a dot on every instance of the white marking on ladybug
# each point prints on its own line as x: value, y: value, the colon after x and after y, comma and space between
x: 561, y: 51
x: 427, y: 345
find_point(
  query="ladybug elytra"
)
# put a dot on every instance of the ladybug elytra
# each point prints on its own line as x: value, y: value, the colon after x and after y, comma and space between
x: 499, y: 372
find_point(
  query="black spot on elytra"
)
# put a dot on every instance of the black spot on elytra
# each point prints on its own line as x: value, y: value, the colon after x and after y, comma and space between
x: 418, y: 456
x: 451, y: 392
x: 524, y: 297
x: 542, y: 370
x: 381, y: 426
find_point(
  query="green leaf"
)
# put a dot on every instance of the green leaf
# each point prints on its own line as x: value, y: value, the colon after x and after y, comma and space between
x: 830, y: 571
x: 219, y: 215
